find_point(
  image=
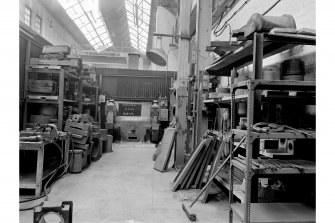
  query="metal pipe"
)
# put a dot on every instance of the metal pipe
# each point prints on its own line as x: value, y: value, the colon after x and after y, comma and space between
x: 171, y: 35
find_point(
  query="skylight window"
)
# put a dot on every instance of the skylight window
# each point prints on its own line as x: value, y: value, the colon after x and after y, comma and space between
x: 86, y: 15
x: 138, y: 13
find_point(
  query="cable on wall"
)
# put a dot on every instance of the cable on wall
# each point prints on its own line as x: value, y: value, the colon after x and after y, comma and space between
x: 269, y: 9
x: 218, y: 32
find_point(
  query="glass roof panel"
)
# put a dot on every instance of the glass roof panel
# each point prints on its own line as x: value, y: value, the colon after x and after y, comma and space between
x: 138, y: 14
x: 104, y: 36
x: 100, y: 31
x: 86, y: 15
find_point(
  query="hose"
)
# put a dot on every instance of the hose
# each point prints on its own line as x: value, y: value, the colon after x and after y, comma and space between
x: 46, y: 191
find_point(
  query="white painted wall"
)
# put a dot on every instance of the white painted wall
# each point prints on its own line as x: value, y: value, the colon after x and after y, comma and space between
x: 165, y: 21
x: 51, y: 29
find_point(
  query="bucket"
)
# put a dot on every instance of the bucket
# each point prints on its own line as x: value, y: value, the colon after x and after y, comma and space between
x: 77, y: 161
x: 109, y: 144
x: 271, y: 73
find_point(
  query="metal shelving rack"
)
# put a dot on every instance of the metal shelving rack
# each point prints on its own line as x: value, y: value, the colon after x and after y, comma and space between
x: 58, y: 100
x: 250, y: 170
x: 264, y: 212
x: 253, y: 49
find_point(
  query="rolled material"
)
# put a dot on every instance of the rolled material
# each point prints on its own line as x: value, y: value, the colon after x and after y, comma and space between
x: 292, y: 67
x: 258, y: 22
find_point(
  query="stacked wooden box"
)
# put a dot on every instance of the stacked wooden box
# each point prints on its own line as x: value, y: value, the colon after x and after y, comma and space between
x: 58, y: 57
x: 81, y: 136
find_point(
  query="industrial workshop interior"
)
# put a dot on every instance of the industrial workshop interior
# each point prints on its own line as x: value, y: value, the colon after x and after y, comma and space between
x: 158, y: 111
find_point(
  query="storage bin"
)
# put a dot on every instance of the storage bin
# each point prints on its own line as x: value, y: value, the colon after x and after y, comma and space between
x: 77, y: 161
x: 86, y: 153
x: 84, y: 159
x: 109, y: 144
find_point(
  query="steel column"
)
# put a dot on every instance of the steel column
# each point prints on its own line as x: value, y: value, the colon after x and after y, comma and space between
x: 190, y: 107
x: 203, y: 39
x: 231, y: 145
x: 257, y: 67
x: 181, y: 83
x: 60, y: 100
x: 26, y: 82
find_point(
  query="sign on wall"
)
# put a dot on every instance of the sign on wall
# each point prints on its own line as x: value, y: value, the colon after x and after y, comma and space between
x: 130, y: 109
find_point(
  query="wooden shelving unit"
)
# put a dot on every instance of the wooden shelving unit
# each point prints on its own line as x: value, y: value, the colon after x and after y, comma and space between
x: 58, y: 99
x: 93, y: 90
x: 262, y: 45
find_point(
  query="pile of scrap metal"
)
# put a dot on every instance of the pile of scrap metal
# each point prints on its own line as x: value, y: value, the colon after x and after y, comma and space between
x: 264, y: 127
x: 41, y: 132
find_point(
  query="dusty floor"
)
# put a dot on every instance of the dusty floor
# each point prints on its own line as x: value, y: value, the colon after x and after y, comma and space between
x: 123, y: 187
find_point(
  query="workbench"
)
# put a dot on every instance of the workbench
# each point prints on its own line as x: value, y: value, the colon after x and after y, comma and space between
x: 34, y: 181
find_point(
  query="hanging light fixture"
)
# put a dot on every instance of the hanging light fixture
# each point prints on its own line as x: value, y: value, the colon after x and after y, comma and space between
x: 157, y: 55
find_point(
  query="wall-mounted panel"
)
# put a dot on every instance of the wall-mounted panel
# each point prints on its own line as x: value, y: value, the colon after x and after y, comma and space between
x: 138, y: 85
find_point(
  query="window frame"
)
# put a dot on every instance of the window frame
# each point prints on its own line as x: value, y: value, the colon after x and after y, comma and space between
x: 25, y: 15
x: 40, y: 28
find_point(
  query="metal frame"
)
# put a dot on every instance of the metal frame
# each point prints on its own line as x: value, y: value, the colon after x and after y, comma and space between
x: 253, y: 85
x: 39, y: 148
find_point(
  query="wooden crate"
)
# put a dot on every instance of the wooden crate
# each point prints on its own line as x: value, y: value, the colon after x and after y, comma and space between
x: 56, y: 49
x: 74, y: 63
x: 80, y: 132
x: 41, y: 86
x: 58, y: 56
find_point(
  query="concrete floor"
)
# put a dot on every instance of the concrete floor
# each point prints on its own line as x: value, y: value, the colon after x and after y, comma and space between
x: 123, y: 187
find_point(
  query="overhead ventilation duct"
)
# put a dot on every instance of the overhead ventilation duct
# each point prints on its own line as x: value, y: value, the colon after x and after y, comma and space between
x: 157, y: 55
